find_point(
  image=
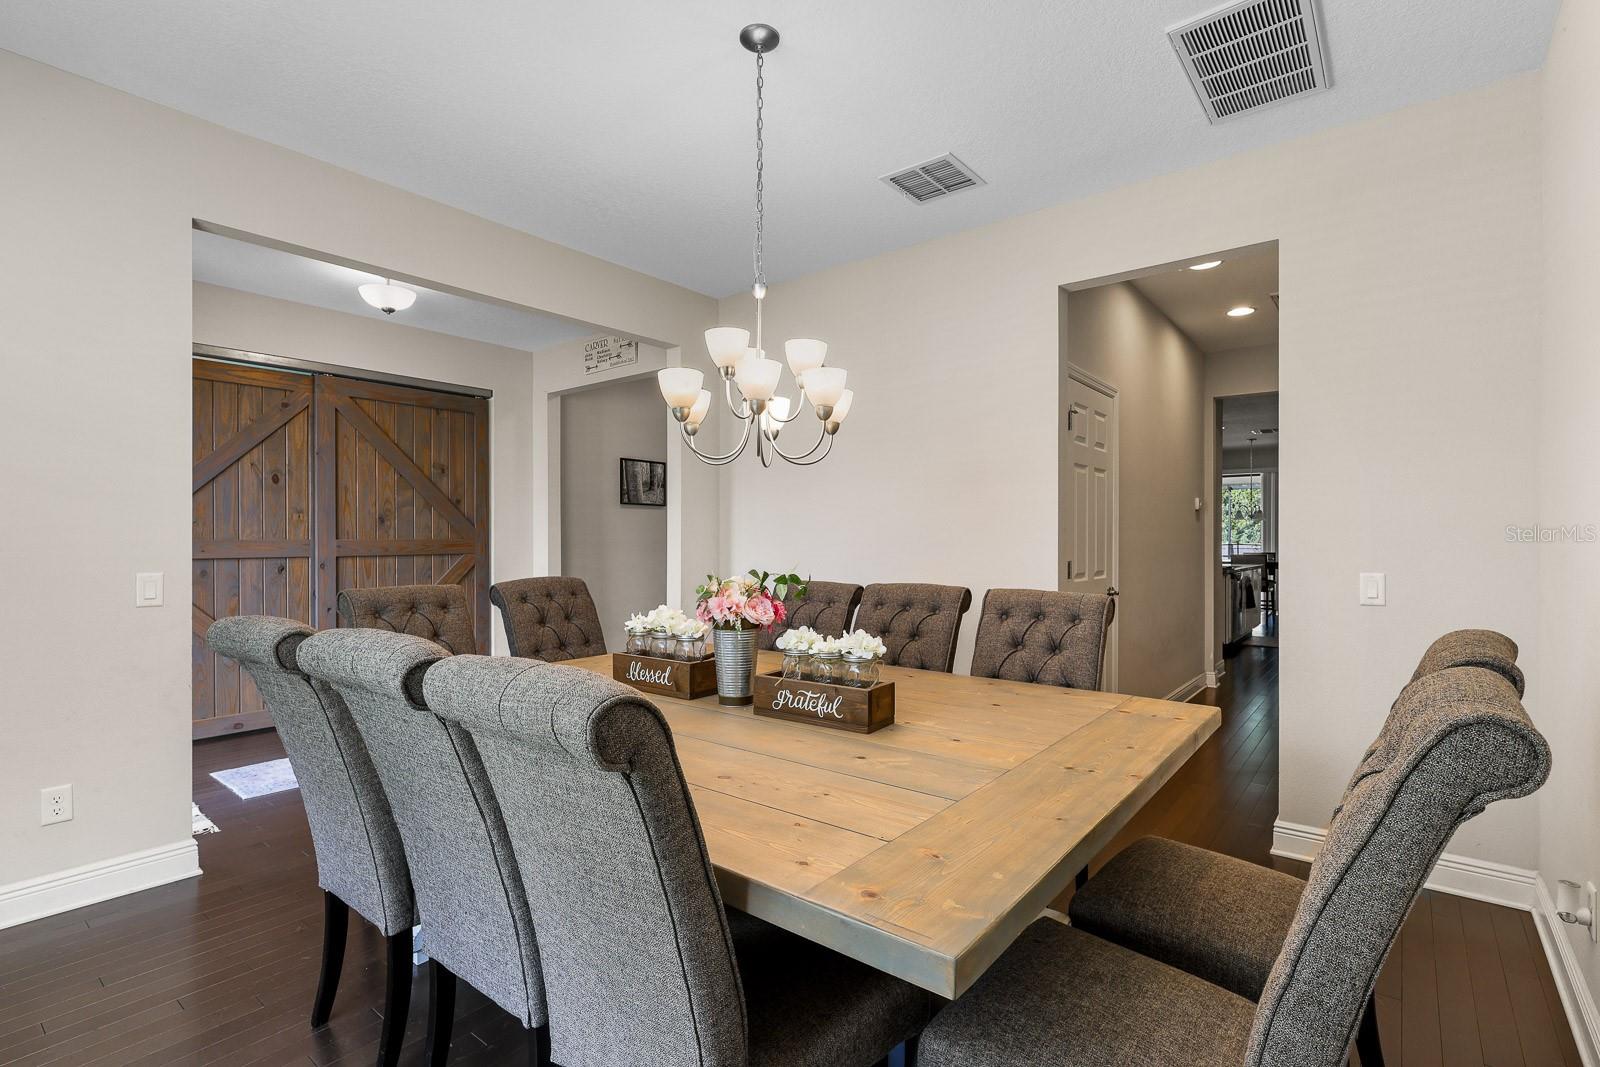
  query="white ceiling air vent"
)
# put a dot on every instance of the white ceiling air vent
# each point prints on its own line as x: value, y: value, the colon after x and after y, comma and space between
x: 1251, y: 54
x: 933, y: 179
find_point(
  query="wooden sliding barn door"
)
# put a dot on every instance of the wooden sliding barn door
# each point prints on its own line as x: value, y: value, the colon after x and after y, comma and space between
x: 306, y: 484
x: 252, y: 522
x: 407, y: 502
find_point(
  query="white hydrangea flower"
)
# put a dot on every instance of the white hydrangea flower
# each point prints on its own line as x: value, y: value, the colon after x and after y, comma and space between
x: 800, y: 639
x: 862, y: 645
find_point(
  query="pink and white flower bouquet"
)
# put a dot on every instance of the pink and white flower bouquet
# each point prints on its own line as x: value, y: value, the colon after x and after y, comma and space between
x: 749, y: 602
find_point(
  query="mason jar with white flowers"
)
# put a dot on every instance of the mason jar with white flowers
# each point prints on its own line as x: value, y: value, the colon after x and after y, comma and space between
x: 862, y: 653
x: 638, y: 630
x: 827, y: 661
x: 797, y: 646
x: 690, y: 637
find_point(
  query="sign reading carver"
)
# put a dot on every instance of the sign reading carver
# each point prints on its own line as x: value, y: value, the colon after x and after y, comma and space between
x: 608, y: 353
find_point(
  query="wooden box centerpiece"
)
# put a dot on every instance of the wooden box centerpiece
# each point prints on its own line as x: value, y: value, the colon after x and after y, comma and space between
x: 684, y: 679
x: 840, y: 707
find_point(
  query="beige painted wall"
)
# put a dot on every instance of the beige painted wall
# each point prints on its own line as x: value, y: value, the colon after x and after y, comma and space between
x: 1564, y: 692
x: 621, y: 551
x: 1116, y: 334
x: 1410, y: 267
x: 234, y: 319
x: 100, y: 190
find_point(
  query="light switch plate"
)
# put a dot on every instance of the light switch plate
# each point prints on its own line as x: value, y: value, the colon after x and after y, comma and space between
x: 147, y: 589
x: 1374, y: 590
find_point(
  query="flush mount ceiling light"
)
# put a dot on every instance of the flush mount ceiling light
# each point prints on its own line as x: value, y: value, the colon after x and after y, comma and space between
x: 1241, y: 311
x: 387, y: 297
x: 1207, y: 265
x: 738, y: 363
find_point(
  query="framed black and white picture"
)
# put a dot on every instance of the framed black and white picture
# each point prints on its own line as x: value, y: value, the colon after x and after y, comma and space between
x: 644, y: 482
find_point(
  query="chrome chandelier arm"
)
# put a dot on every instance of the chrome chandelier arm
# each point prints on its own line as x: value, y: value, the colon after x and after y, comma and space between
x: 726, y: 458
x: 803, y: 461
x: 800, y: 458
x: 741, y: 412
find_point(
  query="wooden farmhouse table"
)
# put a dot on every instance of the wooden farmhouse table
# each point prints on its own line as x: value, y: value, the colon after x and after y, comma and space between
x: 926, y: 848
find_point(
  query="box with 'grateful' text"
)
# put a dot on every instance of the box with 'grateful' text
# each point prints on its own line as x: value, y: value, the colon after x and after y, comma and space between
x: 841, y: 707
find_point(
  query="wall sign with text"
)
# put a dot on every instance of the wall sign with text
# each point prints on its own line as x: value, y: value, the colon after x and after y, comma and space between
x: 609, y: 353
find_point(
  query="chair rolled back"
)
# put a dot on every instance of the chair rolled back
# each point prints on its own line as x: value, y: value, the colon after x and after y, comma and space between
x: 633, y: 938
x: 469, y: 895
x: 919, y: 623
x: 827, y: 608
x: 438, y: 613
x: 1458, y: 740
x: 360, y: 858
x: 1045, y: 636
x: 1473, y: 648
x: 549, y: 618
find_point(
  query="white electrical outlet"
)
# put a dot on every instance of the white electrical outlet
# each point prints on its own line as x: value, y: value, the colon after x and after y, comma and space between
x: 55, y: 804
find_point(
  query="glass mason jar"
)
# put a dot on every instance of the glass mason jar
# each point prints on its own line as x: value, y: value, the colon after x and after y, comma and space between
x: 826, y: 668
x: 638, y: 643
x: 860, y: 671
x: 663, y: 645
x: 689, y: 648
x: 796, y: 665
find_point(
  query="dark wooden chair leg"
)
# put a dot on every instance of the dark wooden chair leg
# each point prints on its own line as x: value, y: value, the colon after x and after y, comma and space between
x: 1367, y: 1045
x: 335, y: 928
x: 904, y: 1054
x: 441, y: 1012
x: 539, y: 1047
x: 1082, y: 879
x: 396, y: 998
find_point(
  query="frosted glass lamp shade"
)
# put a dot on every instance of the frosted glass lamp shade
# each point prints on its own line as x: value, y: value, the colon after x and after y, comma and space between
x: 842, y: 408
x: 680, y: 386
x: 825, y: 385
x: 387, y: 297
x: 804, y: 354
x: 757, y: 377
x: 727, y: 344
x: 702, y: 404
x: 775, y: 416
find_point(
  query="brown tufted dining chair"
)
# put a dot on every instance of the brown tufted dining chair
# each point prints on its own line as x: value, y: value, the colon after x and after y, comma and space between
x: 1044, y: 636
x: 438, y: 613
x: 549, y: 618
x: 918, y: 622
x: 827, y: 608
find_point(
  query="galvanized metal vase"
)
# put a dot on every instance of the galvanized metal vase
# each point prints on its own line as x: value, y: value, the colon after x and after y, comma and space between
x: 736, y: 666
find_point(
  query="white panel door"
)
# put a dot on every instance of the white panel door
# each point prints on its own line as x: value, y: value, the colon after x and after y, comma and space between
x: 1090, y: 512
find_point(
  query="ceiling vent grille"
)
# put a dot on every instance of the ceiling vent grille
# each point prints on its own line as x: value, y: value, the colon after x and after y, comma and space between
x: 1251, y: 54
x: 933, y: 179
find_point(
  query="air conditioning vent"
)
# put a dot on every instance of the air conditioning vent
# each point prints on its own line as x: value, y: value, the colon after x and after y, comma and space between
x: 1251, y: 54
x: 933, y: 179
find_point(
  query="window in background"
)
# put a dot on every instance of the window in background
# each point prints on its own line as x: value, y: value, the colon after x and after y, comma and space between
x: 1243, y: 515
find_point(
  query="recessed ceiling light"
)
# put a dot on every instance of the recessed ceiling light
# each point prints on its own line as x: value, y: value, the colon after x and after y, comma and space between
x: 1241, y: 311
x: 1207, y: 265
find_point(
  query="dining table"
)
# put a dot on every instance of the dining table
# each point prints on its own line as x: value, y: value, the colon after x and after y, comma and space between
x: 925, y: 848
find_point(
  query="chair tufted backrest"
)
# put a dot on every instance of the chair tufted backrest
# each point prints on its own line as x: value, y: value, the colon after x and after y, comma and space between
x: 827, y: 608
x: 438, y: 613
x: 1473, y: 648
x: 632, y: 935
x: 549, y: 618
x: 1045, y: 636
x: 469, y: 893
x: 360, y: 858
x: 919, y: 623
x: 1456, y: 741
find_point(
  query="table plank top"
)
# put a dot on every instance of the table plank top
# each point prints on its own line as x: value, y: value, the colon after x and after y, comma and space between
x: 925, y: 848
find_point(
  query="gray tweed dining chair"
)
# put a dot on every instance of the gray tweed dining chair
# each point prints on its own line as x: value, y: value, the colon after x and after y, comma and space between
x: 437, y: 612
x: 1456, y: 741
x: 361, y: 863
x: 641, y: 963
x: 549, y: 618
x: 827, y: 608
x: 470, y: 902
x: 1225, y: 919
x: 918, y: 622
x: 1043, y: 636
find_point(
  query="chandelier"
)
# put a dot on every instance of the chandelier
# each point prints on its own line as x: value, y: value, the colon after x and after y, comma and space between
x: 746, y: 366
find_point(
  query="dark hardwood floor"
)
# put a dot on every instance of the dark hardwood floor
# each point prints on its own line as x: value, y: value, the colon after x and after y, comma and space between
x: 222, y: 969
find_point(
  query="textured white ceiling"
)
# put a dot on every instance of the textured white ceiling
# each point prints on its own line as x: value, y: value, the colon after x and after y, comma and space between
x: 1197, y: 301
x: 269, y: 272
x: 624, y: 128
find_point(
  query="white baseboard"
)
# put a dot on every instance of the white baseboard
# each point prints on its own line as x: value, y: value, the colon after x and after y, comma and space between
x: 1575, y: 995
x: 1460, y: 876
x: 52, y: 894
x: 1214, y: 676
x: 1187, y: 689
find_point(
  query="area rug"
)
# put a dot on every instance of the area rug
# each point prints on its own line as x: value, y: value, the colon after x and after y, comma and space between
x: 258, y: 779
x: 202, y: 825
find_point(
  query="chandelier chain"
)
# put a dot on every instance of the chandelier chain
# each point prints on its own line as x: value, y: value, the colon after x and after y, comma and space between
x: 760, y: 268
